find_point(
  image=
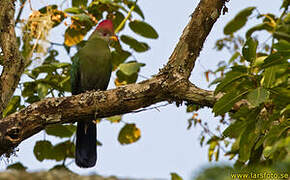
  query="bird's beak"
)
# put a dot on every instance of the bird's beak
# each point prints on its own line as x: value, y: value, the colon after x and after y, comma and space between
x: 114, y: 38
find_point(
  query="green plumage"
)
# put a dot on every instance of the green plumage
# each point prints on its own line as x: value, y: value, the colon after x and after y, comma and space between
x: 91, y: 70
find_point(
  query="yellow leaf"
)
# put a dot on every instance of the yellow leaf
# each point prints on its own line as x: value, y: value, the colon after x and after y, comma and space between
x: 73, y: 36
x: 129, y: 134
x: 118, y: 83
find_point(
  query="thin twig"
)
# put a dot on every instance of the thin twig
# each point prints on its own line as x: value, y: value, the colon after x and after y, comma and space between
x: 61, y: 4
x: 30, y: 5
x: 56, y: 44
x: 145, y: 109
x: 211, y: 134
x: 20, y: 12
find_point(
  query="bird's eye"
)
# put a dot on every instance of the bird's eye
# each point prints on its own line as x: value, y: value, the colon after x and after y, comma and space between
x: 105, y: 34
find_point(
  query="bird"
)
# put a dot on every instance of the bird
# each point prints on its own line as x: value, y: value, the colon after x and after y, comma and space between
x: 91, y: 70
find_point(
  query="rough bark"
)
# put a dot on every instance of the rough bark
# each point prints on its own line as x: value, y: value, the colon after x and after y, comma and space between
x: 170, y: 84
x: 13, y: 64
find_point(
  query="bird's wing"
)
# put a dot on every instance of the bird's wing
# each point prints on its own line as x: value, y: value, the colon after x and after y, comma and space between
x: 75, y: 75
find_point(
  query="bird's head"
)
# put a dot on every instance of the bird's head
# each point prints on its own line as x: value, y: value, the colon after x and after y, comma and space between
x: 105, y: 30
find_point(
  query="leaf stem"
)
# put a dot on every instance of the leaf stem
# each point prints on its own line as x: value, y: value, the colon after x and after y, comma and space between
x: 127, y: 17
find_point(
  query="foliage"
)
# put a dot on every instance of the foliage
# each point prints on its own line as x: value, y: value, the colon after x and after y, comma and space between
x: 254, y: 90
x: 175, y: 176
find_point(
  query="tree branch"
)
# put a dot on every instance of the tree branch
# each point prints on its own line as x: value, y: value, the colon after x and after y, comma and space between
x: 170, y: 84
x: 13, y: 61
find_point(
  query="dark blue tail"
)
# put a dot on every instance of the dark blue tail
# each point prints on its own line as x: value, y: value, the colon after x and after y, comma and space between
x: 86, y: 144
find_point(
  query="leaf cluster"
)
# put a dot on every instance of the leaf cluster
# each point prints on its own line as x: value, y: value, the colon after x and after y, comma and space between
x: 254, y: 89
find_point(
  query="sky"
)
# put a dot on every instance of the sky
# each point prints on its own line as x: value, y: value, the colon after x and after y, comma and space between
x: 166, y: 145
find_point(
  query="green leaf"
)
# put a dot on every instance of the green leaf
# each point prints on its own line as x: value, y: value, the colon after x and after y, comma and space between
x: 258, y: 96
x: 175, y: 176
x: 234, y: 57
x: 259, y: 27
x: 42, y: 150
x: 63, y: 150
x: 248, y: 139
x: 74, y: 10
x: 134, y: 44
x: 78, y: 3
x: 259, y: 60
x: 59, y: 130
x: 287, y: 17
x: 236, y: 145
x: 42, y: 90
x: 32, y: 99
x: 241, y: 114
x: 192, y: 107
x: 118, y: 18
x: 136, y: 9
x: 259, y: 142
x: 282, y: 45
x: 143, y: 29
x: 17, y: 166
x: 119, y: 57
x: 275, y: 132
x: 282, y: 35
x: 212, y: 146
x: 235, y: 129
x: 269, y: 77
x: 129, y: 134
x: 216, y: 81
x: 275, y: 59
x: 282, y: 94
x: 285, y: 4
x: 29, y: 89
x: 45, y: 68
x: 249, y: 49
x: 130, y: 68
x: 12, y: 106
x: 201, y: 140
x: 285, y: 110
x: 114, y: 119
x: 82, y: 18
x: 279, y: 151
x: 230, y: 78
x: 227, y: 101
x: 123, y: 79
x: 239, y: 21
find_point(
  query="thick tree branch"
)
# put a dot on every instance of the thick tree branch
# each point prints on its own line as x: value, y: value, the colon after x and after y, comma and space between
x: 191, y: 41
x: 13, y: 62
x: 170, y: 84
